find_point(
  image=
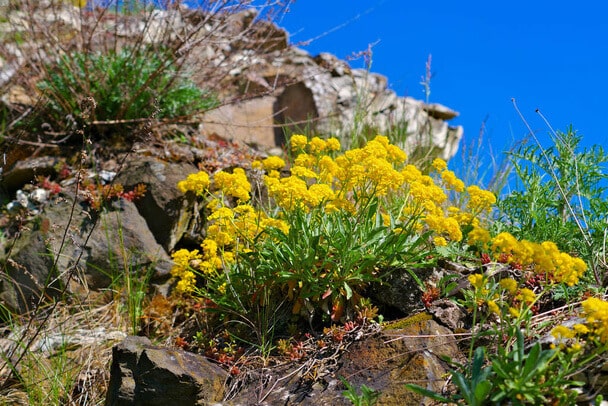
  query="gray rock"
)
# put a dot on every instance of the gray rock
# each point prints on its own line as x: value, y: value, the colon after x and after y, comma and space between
x: 92, y: 256
x: 400, y: 291
x: 166, y: 210
x: 143, y: 374
x: 29, y: 273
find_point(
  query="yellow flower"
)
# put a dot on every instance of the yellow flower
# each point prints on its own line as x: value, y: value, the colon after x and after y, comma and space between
x: 562, y: 332
x: 580, y: 329
x: 514, y: 312
x: 233, y: 184
x: 493, y: 307
x: 479, y: 235
x: 298, y: 141
x: 333, y: 144
x: 181, y: 270
x: 303, y: 172
x: 526, y: 296
x: 451, y: 181
x: 317, y: 145
x: 479, y: 199
x: 440, y: 241
x: 273, y: 163
x: 508, y: 284
x: 439, y: 165
x: 195, y: 182
x: 476, y: 280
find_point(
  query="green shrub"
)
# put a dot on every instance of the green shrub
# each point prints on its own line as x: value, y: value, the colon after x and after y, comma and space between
x: 561, y: 197
x: 126, y: 86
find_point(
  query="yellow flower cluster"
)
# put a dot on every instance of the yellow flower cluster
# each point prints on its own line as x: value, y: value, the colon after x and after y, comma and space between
x: 324, y: 178
x: 596, y: 313
x: 513, y: 298
x: 315, y: 146
x: 479, y: 200
x: 233, y: 184
x: 195, y: 182
x: 594, y: 328
x: 182, y: 270
x: 546, y: 258
x: 272, y: 163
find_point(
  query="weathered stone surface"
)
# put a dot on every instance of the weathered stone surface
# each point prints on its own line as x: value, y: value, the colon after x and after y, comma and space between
x: 25, y: 170
x: 165, y: 209
x: 28, y: 270
x: 250, y: 121
x: 384, y: 362
x: 400, y: 291
x: 448, y: 313
x: 143, y: 374
x: 121, y: 238
x: 90, y: 257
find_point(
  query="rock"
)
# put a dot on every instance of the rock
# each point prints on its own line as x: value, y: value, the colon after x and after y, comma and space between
x: 250, y: 121
x: 400, y: 291
x: 448, y: 313
x: 92, y: 256
x: 28, y: 272
x: 143, y: 374
x: 120, y: 238
x: 384, y: 361
x: 25, y: 170
x: 166, y: 210
x: 439, y: 111
x: 410, y: 354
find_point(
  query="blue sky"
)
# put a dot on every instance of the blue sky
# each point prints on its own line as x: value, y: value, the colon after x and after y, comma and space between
x: 547, y: 55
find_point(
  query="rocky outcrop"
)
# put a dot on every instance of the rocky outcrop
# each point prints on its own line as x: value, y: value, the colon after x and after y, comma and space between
x: 268, y: 88
x: 326, y: 95
x: 383, y: 361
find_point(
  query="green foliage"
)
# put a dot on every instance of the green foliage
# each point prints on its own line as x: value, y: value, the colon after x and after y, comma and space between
x: 327, y: 259
x: 129, y: 84
x: 529, y: 375
x: 561, y: 198
x: 368, y: 396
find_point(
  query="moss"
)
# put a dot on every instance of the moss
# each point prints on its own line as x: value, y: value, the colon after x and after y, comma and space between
x: 408, y: 321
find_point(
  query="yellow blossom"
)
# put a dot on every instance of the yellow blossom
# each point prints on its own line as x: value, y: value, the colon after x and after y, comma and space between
x: 508, y: 284
x: 298, y: 141
x: 317, y: 145
x: 333, y: 144
x: 440, y: 242
x: 273, y: 163
x: 233, y: 184
x: 451, y: 181
x: 562, y: 332
x: 439, y: 165
x: 526, y: 296
x: 476, y: 280
x: 580, y: 329
x: 493, y: 307
x: 195, y: 182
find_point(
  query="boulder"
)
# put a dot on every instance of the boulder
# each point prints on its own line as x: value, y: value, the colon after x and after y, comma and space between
x: 399, y: 292
x: 67, y: 244
x: 101, y: 251
x: 29, y: 272
x: 144, y: 374
x: 166, y: 210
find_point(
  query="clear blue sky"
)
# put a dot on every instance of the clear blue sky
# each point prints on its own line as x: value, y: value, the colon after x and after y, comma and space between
x: 547, y: 55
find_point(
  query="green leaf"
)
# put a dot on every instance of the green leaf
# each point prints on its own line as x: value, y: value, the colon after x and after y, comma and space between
x: 349, y: 291
x: 427, y: 393
x: 482, y: 390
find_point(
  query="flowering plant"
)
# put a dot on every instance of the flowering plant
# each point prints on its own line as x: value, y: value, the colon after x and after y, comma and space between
x: 336, y: 223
